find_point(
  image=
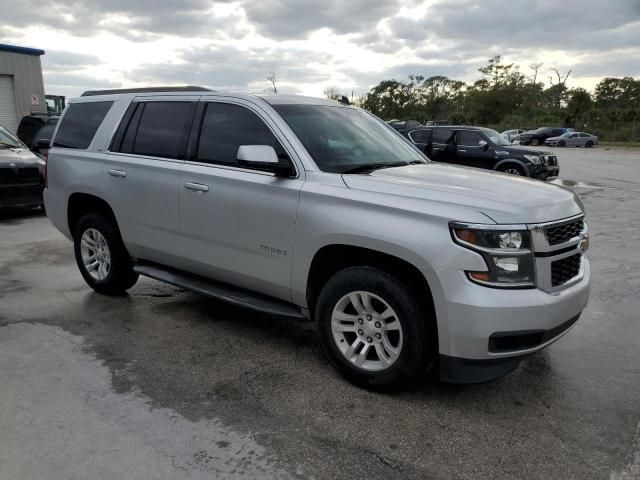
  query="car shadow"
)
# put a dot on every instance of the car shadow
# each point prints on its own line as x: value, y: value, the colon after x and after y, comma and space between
x: 15, y: 215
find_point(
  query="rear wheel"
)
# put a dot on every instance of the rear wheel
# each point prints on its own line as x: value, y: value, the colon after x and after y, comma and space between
x: 535, y: 141
x: 373, y: 329
x: 102, y: 257
x: 513, y: 169
x: 589, y: 144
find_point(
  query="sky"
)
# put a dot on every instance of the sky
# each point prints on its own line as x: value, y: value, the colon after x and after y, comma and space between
x: 350, y: 45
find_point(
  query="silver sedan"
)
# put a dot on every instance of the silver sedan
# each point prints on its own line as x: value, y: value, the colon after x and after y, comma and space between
x: 572, y: 139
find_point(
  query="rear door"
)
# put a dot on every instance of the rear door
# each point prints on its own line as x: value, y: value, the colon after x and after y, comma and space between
x: 238, y: 223
x: 573, y: 140
x: 421, y: 138
x: 142, y: 170
x: 443, y: 148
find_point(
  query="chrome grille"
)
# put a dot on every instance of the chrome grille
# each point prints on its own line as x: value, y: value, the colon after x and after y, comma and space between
x: 564, y: 270
x: 558, y: 234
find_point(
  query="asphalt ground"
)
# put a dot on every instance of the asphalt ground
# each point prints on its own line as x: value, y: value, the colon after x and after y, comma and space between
x: 167, y: 384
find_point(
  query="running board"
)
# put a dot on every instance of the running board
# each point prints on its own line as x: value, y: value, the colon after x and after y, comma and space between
x: 221, y: 291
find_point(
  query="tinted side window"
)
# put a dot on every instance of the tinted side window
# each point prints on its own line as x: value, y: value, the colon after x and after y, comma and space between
x: 442, y: 135
x: 421, y: 136
x: 225, y: 127
x: 468, y: 138
x: 80, y: 123
x: 163, y: 129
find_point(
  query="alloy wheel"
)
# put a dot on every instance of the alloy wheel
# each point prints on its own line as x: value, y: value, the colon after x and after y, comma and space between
x: 367, y: 331
x: 95, y: 254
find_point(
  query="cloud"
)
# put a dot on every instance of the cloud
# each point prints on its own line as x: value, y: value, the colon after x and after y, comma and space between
x: 234, y: 44
x: 298, y: 18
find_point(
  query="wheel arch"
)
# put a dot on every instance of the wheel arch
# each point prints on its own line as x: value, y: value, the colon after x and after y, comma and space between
x: 80, y: 204
x: 515, y: 161
x: 332, y: 258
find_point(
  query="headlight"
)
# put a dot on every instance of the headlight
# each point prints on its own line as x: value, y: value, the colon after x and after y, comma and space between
x: 534, y: 159
x: 507, y: 253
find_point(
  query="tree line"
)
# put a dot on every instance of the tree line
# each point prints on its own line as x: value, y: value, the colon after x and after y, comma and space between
x: 503, y: 97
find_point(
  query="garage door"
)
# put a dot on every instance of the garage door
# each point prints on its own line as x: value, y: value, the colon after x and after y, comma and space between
x: 8, y: 118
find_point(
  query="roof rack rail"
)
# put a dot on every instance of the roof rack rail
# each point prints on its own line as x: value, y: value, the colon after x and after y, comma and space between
x: 186, y: 88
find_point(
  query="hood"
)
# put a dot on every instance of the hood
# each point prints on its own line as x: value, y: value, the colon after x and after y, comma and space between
x: 19, y: 156
x: 521, y: 150
x: 504, y: 198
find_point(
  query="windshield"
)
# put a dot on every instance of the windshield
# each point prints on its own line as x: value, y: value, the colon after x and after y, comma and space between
x: 342, y: 138
x: 9, y: 141
x: 496, y: 137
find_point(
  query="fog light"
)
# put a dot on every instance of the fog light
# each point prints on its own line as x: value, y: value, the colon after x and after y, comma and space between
x: 506, y: 264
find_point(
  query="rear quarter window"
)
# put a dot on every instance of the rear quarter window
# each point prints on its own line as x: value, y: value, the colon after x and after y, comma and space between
x: 80, y: 124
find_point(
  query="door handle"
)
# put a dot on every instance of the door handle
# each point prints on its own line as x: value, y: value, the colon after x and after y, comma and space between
x: 117, y: 173
x: 196, y: 187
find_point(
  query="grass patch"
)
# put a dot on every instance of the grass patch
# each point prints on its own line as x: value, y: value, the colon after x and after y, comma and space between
x: 620, y: 144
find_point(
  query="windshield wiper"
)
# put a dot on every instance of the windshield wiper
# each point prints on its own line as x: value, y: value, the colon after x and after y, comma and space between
x: 8, y: 145
x: 370, y: 167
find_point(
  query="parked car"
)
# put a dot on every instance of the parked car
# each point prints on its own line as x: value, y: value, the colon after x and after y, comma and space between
x: 484, y: 148
x: 404, y: 126
x: 511, y: 135
x: 21, y: 173
x: 404, y: 264
x: 36, y: 127
x: 538, y: 137
x: 572, y: 139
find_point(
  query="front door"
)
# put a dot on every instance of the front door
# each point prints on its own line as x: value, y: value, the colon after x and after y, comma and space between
x: 238, y: 224
x: 470, y: 153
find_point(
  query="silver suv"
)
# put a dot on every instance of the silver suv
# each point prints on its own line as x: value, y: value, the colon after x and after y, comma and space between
x: 316, y: 210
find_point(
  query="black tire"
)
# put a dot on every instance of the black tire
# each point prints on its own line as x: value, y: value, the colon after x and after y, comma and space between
x: 589, y: 144
x: 513, y: 169
x: 561, y: 143
x: 534, y: 142
x: 120, y: 276
x: 417, y: 322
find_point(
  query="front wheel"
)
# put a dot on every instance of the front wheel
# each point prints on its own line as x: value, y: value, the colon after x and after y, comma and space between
x: 535, y: 141
x: 589, y: 144
x: 561, y: 143
x: 102, y: 257
x: 513, y: 169
x: 374, y: 330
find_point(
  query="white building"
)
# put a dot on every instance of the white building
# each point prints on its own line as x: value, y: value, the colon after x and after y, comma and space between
x: 21, y: 84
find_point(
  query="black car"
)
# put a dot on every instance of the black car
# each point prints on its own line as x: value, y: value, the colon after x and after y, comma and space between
x: 36, y: 127
x: 483, y: 148
x: 538, y: 136
x: 21, y: 173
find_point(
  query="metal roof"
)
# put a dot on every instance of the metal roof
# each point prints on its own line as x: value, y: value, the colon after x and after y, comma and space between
x: 36, y: 52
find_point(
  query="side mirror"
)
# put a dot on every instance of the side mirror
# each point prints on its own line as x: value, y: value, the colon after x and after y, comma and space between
x: 43, y: 143
x: 263, y: 157
x: 483, y: 144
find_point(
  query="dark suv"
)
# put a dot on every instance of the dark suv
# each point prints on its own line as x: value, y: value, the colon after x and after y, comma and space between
x: 538, y: 136
x: 483, y: 148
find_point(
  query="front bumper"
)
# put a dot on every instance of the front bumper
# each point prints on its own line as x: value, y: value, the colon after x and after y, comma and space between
x: 488, y: 331
x: 20, y: 195
x: 544, y: 172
